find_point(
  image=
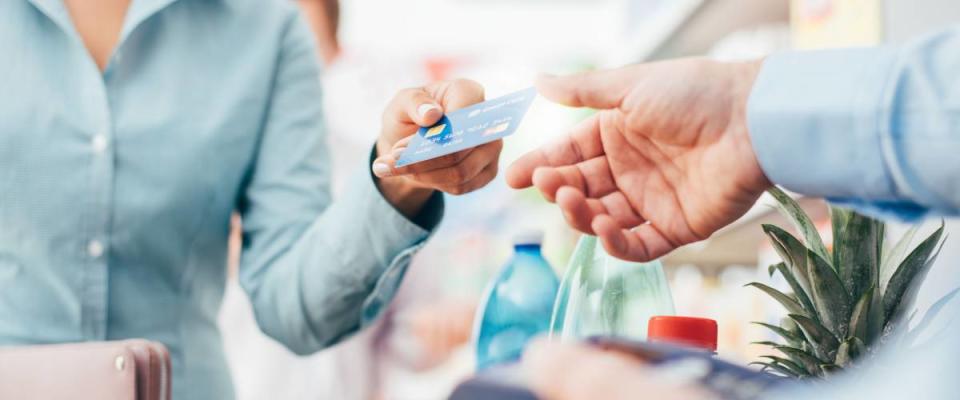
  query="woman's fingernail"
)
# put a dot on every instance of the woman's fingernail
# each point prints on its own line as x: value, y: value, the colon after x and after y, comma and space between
x: 425, y: 108
x: 381, y: 169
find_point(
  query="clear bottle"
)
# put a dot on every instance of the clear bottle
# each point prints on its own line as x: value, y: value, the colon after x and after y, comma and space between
x: 603, y: 295
x: 517, y: 305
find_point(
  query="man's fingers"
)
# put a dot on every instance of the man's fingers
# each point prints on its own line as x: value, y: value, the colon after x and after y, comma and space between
x: 592, y: 177
x: 619, y: 208
x: 577, y: 209
x: 604, y: 89
x: 581, y: 212
x: 520, y: 173
x: 548, y: 180
x: 583, y: 143
x: 643, y: 243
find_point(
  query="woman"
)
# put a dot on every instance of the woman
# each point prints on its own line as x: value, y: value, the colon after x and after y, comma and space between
x: 129, y: 132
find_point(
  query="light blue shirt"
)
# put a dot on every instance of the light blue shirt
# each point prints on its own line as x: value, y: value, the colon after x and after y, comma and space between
x: 116, y: 188
x: 876, y: 129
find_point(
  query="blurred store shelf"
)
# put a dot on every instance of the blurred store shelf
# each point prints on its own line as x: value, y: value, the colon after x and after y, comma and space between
x: 711, y: 21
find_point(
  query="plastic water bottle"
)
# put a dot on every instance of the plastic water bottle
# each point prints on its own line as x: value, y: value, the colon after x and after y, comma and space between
x: 517, y: 305
x: 603, y: 295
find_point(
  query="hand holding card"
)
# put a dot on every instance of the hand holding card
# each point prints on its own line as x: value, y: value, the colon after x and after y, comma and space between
x: 457, y: 152
x: 468, y: 127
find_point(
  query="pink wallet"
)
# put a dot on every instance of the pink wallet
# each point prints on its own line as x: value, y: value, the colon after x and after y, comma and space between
x: 120, y: 370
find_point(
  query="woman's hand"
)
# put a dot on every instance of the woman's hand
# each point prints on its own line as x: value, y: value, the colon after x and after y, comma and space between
x: 407, y: 188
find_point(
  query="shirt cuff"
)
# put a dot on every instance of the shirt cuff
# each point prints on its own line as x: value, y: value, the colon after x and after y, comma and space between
x: 816, y: 120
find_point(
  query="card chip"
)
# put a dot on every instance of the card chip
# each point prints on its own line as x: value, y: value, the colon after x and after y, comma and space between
x: 435, y: 130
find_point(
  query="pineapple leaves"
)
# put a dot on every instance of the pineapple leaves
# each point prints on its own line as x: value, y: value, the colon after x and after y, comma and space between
x: 829, y: 295
x: 843, y: 355
x: 894, y: 256
x: 809, y: 362
x: 829, y: 369
x: 860, y: 316
x: 851, y: 349
x: 881, y: 240
x: 794, y: 255
x: 846, y: 300
x: 794, y: 369
x: 914, y: 266
x: 791, y: 209
x: 824, y: 342
x: 798, y: 291
x: 779, y: 368
x: 765, y: 343
x: 857, y: 243
x: 788, y: 335
x: 792, y: 306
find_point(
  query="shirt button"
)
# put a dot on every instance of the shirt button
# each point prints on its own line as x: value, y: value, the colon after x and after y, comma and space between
x: 99, y: 143
x: 95, y: 248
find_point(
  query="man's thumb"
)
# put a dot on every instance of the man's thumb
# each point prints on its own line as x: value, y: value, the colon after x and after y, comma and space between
x: 602, y: 89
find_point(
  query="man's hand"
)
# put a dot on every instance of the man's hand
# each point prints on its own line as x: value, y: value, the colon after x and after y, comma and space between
x: 458, y: 173
x: 577, y: 372
x: 665, y: 162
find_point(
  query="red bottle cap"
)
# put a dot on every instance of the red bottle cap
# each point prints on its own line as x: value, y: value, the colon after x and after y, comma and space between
x: 689, y: 331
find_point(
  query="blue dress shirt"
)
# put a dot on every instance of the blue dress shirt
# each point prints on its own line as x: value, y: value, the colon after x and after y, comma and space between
x: 116, y: 188
x: 877, y: 129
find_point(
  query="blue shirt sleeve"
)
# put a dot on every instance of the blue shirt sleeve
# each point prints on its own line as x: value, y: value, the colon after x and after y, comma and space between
x: 876, y: 129
x: 316, y: 270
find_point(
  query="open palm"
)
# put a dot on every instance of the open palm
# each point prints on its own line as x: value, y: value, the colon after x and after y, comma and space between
x: 665, y: 162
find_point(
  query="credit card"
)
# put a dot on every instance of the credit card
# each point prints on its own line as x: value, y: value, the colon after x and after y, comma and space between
x: 469, y: 127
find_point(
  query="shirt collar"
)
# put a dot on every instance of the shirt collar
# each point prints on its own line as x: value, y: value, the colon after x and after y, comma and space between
x: 55, y: 10
x: 140, y: 10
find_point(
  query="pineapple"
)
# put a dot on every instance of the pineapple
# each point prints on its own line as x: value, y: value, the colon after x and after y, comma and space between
x: 845, y: 302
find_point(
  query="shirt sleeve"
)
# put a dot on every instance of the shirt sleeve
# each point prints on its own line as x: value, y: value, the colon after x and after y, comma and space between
x: 316, y: 270
x: 877, y: 129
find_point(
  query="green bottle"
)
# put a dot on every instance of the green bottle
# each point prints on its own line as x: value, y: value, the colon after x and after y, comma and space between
x: 603, y: 295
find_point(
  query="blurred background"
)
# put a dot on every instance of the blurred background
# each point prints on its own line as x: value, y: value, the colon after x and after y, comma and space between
x: 372, y: 48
